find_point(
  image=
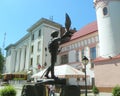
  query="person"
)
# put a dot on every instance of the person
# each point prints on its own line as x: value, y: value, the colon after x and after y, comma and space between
x: 51, y: 90
x: 53, y: 46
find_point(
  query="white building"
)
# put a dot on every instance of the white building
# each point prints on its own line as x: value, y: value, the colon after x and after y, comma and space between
x: 108, y: 14
x: 31, y: 52
x: 107, y: 66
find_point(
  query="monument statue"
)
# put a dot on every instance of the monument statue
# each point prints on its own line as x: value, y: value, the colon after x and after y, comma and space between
x: 29, y: 89
x: 53, y: 46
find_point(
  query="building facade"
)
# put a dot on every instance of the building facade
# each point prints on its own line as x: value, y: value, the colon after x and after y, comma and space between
x: 107, y: 65
x: 84, y: 42
x: 31, y: 53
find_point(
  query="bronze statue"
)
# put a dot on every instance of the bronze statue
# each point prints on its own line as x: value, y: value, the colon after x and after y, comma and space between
x: 53, y: 46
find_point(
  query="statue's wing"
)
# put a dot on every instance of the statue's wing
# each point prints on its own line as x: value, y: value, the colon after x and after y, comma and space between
x: 67, y: 22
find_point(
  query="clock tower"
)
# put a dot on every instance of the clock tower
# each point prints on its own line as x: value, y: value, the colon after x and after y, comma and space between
x: 108, y: 19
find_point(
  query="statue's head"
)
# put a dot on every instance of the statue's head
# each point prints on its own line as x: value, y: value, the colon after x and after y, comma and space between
x: 55, y: 34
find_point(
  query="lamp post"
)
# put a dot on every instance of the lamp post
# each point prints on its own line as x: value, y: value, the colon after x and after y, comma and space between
x: 85, y: 62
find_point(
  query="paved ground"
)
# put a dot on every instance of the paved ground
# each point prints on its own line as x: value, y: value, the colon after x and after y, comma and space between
x: 18, y: 92
x: 57, y: 94
x: 19, y: 88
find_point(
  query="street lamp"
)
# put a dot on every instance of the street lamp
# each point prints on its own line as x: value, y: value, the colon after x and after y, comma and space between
x: 85, y: 62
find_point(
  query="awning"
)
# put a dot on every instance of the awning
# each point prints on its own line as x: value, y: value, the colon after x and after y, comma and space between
x: 15, y: 75
x: 21, y: 72
x: 63, y: 71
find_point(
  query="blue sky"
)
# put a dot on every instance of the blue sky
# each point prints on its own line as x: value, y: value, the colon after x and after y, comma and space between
x: 16, y: 16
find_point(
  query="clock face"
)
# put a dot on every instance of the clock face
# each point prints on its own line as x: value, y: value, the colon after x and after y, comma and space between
x: 105, y: 11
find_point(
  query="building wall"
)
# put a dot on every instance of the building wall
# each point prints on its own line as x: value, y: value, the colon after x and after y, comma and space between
x: 74, y: 50
x: 107, y: 69
x: 107, y: 73
x: 108, y: 14
x: 21, y: 57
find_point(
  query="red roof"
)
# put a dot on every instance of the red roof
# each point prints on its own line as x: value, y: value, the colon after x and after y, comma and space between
x: 90, y: 28
x: 99, y: 59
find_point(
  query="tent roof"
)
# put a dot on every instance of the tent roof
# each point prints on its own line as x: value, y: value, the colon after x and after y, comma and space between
x: 62, y: 71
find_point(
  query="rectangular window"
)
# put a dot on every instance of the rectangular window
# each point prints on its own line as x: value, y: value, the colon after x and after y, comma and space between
x: 39, y: 33
x: 32, y: 37
x: 93, y: 81
x: 64, y: 59
x: 32, y: 48
x: 93, y: 53
x: 31, y: 61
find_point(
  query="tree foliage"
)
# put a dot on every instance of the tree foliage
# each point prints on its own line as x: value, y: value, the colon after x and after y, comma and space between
x: 116, y: 90
x: 8, y: 91
x: 95, y: 90
x: 1, y: 61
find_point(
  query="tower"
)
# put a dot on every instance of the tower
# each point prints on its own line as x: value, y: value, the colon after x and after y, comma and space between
x: 108, y: 19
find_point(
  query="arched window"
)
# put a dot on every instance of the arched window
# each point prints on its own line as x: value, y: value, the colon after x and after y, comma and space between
x: 105, y: 11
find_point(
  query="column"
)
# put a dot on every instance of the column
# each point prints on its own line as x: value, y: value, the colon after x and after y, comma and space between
x: 27, y: 57
x: 13, y: 58
x: 17, y: 60
x: 22, y: 58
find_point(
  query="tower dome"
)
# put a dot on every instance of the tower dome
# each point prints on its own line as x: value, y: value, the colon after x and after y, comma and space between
x: 108, y: 19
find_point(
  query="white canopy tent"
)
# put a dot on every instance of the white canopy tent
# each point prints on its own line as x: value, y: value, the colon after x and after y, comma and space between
x: 62, y: 71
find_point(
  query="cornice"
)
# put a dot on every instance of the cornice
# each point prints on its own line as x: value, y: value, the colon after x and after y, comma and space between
x: 101, y: 3
x: 41, y: 21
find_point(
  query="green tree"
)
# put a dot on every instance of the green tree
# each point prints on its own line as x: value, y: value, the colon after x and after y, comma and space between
x: 116, y: 90
x: 95, y: 90
x: 1, y: 61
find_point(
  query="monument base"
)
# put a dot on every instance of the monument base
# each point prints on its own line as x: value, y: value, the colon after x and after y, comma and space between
x: 52, y: 81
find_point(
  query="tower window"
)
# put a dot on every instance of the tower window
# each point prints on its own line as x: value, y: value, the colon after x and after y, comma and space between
x: 105, y: 11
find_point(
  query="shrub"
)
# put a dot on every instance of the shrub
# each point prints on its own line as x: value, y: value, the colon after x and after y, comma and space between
x: 8, y: 91
x: 95, y: 90
x: 116, y: 91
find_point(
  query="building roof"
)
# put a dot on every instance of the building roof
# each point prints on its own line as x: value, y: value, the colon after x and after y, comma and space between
x: 43, y: 20
x: 90, y: 28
